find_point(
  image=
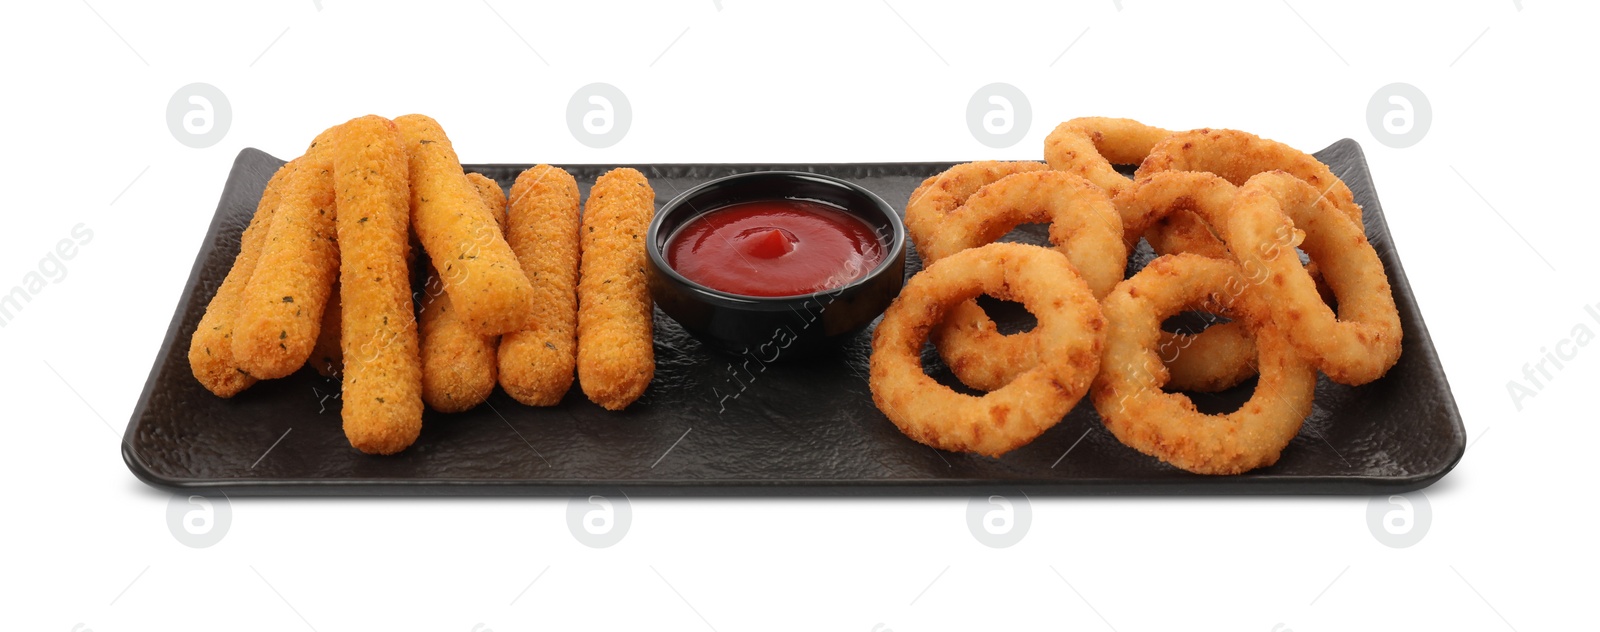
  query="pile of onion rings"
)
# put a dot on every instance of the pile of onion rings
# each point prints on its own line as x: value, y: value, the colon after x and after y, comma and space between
x: 1229, y: 211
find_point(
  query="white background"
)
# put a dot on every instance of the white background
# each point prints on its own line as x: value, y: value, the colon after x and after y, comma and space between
x: 86, y: 546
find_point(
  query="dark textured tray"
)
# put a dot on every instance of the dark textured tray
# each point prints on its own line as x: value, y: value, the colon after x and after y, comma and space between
x: 802, y: 428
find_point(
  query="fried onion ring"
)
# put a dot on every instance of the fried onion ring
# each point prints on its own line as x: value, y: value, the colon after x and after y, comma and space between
x: 1089, y: 147
x: 1083, y: 226
x: 1361, y: 342
x: 1069, y: 334
x: 1235, y: 156
x: 1259, y: 222
x: 937, y: 196
x: 1128, y: 394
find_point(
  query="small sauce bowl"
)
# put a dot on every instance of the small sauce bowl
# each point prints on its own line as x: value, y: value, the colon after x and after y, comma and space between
x: 778, y: 327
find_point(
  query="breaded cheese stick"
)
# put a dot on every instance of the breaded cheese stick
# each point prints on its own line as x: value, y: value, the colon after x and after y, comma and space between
x: 458, y: 364
x: 326, y: 357
x: 536, y: 364
x: 488, y: 191
x: 211, y: 347
x: 478, y: 268
x: 382, y: 390
x: 280, y: 312
x: 616, y: 357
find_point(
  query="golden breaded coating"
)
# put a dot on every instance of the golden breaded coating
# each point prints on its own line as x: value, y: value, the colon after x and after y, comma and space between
x: 378, y: 332
x: 1219, y: 358
x: 616, y: 357
x: 1069, y: 332
x: 280, y: 312
x: 942, y: 194
x: 536, y: 364
x: 1128, y: 393
x: 211, y: 348
x: 479, y: 269
x: 458, y: 364
x: 326, y: 357
x: 489, y: 190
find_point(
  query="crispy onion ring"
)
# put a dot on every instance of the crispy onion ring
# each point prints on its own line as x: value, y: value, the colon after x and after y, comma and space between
x: 1128, y: 394
x: 1235, y: 156
x: 937, y: 196
x: 1089, y: 147
x: 1083, y: 226
x: 1259, y: 222
x: 1069, y: 333
x: 1361, y: 342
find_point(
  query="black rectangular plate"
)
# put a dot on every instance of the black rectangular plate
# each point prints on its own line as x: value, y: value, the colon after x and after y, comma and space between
x: 794, y: 428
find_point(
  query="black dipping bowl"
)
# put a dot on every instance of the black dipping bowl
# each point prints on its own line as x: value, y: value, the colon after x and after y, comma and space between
x: 770, y: 328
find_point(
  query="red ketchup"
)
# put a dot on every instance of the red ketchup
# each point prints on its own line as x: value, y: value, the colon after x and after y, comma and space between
x: 775, y: 248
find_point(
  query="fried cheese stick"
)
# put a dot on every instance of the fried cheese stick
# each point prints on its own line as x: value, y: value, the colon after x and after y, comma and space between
x: 616, y: 358
x: 491, y: 193
x: 280, y: 312
x: 479, y: 269
x: 211, y: 347
x: 382, y: 389
x: 536, y: 364
x: 458, y: 364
